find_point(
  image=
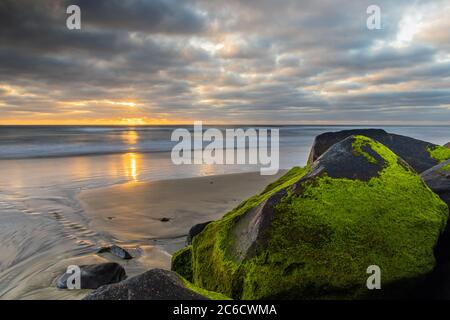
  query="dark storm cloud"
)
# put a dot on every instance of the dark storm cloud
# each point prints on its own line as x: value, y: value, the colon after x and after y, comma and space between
x: 234, y: 60
x: 156, y: 16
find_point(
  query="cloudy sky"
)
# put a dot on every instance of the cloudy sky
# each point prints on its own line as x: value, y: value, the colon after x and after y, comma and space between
x: 230, y: 61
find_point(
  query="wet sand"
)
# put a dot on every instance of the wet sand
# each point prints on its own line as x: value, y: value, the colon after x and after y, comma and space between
x: 129, y: 215
x: 163, y: 211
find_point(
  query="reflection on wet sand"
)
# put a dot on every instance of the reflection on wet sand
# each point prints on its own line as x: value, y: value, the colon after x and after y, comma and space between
x: 131, y: 162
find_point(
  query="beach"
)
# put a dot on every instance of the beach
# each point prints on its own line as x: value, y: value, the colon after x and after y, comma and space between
x: 65, y: 192
x: 128, y: 215
x: 137, y: 212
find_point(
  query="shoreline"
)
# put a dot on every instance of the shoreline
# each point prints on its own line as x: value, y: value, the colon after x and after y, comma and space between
x: 136, y: 212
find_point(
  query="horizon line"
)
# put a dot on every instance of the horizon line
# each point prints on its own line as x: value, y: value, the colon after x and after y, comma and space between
x: 221, y: 124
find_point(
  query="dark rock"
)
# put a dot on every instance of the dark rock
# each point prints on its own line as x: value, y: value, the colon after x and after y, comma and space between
x: 195, y: 230
x: 253, y: 228
x: 156, y: 284
x: 339, y: 161
x: 96, y: 275
x: 438, y: 179
x: 182, y: 263
x: 313, y: 233
x: 164, y: 219
x: 117, y: 251
x: 413, y: 151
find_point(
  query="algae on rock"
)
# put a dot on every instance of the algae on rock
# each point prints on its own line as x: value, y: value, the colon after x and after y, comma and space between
x: 313, y: 233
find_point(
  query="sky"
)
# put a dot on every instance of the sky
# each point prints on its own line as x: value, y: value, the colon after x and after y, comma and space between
x: 224, y: 62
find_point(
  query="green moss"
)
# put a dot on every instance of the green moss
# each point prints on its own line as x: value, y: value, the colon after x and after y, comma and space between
x: 345, y: 225
x: 211, y: 268
x: 446, y: 167
x: 359, y: 143
x: 322, y: 240
x: 209, y: 294
x: 439, y: 153
x: 182, y: 262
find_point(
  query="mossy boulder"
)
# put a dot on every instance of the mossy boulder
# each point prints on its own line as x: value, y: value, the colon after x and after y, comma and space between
x: 439, y: 153
x: 420, y: 155
x: 195, y: 230
x: 438, y: 179
x: 313, y: 233
x: 182, y: 262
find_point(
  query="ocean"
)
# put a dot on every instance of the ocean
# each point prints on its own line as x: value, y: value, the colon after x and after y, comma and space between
x: 42, y: 168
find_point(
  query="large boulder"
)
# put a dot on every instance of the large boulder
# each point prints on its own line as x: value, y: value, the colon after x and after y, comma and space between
x: 95, y: 275
x: 314, y: 233
x: 438, y: 179
x: 156, y: 284
x: 420, y: 155
x: 447, y: 145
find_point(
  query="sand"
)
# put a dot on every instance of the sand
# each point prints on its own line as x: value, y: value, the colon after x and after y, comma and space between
x: 128, y: 215
x: 136, y: 213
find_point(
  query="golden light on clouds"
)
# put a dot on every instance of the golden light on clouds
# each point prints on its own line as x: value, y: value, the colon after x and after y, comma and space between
x: 225, y: 62
x: 83, y: 103
x: 132, y: 121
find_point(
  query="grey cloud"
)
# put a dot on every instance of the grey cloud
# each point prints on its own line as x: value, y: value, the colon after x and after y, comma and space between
x: 281, y: 61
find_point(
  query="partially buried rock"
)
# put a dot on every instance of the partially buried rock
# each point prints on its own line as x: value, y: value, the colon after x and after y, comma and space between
x: 165, y: 219
x: 313, y: 233
x: 156, y: 284
x: 420, y: 155
x: 195, y: 230
x: 117, y: 251
x: 95, y: 276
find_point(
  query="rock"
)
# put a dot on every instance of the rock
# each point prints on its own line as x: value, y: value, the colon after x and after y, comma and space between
x: 156, y: 284
x: 195, y: 230
x: 182, y: 263
x: 447, y: 145
x: 117, y: 251
x: 165, y: 219
x: 96, y: 275
x: 313, y: 233
x: 438, y: 179
x: 415, y: 152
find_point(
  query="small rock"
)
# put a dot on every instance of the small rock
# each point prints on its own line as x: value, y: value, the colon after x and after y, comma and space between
x: 164, y: 219
x: 95, y: 275
x: 117, y: 251
x: 156, y: 284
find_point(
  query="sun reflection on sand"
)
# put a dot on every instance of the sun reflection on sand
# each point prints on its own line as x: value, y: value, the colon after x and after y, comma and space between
x: 131, y: 165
